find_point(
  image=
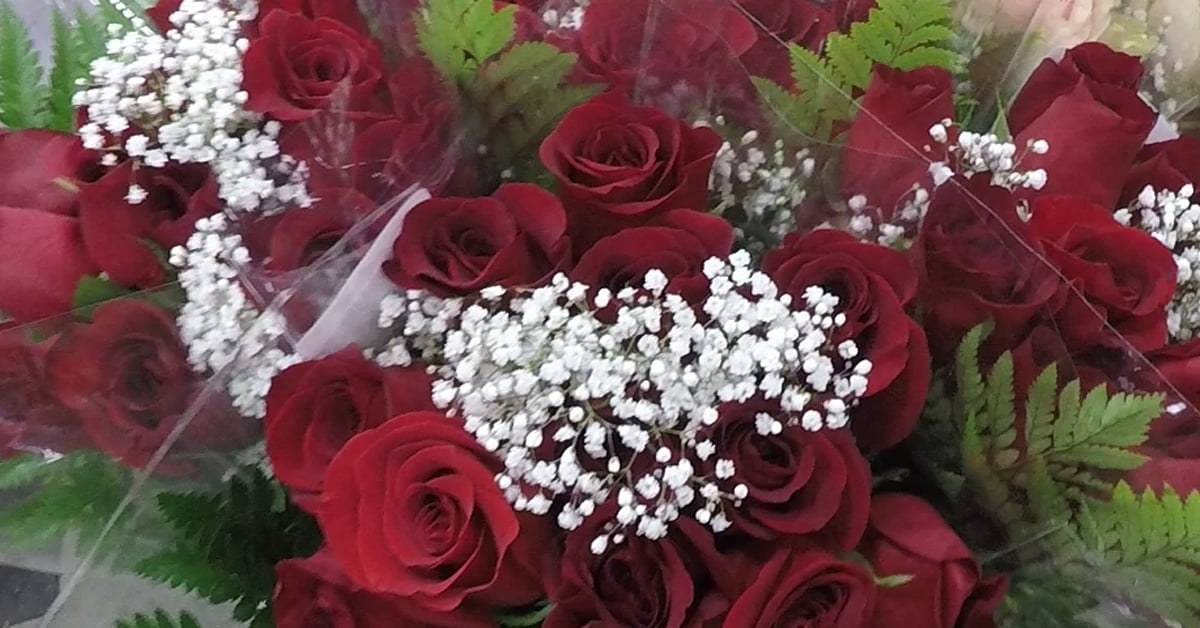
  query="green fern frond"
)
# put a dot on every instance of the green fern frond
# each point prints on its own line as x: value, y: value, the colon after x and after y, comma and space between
x: 160, y: 619
x: 64, y: 69
x: 21, y: 90
x: 459, y: 36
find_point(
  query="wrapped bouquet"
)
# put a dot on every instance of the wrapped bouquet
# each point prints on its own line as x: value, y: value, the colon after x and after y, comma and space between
x: 605, y: 313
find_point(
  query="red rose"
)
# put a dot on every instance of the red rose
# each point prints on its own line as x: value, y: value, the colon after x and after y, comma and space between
x: 874, y: 285
x: 675, y: 582
x: 1176, y: 372
x: 806, y: 589
x: 300, y: 66
x: 455, y: 246
x: 315, y: 593
x: 977, y: 261
x: 680, y: 45
x: 29, y: 411
x: 677, y: 245
x: 947, y: 588
x: 1087, y: 107
x: 301, y: 237
x: 1122, y: 277
x: 343, y: 11
x: 799, y: 482
x: 847, y: 12
x: 116, y: 231
x: 126, y: 373
x: 314, y: 407
x: 42, y: 255
x: 1165, y: 166
x: 888, y: 147
x: 613, y: 159
x: 417, y: 144
x: 785, y: 22
x: 412, y: 508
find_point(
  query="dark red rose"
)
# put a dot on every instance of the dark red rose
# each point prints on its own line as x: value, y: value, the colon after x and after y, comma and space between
x: 301, y: 237
x: 1181, y: 474
x: 299, y: 67
x: 412, y: 508
x: 118, y: 233
x: 1121, y: 277
x: 784, y: 22
x: 888, y: 147
x: 314, y: 407
x: 29, y: 411
x: 874, y: 285
x: 455, y: 246
x: 1165, y: 166
x: 800, y: 482
x: 676, y: 582
x: 345, y: 11
x: 806, y: 589
x: 688, y: 45
x: 417, y: 144
x: 947, y: 589
x: 127, y: 375
x: 978, y: 261
x: 677, y: 245
x: 615, y: 162
x: 42, y: 254
x: 315, y: 593
x: 1086, y: 106
x: 1175, y: 371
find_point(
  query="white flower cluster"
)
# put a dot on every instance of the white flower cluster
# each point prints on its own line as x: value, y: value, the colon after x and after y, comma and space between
x: 223, y: 330
x: 584, y: 412
x: 975, y: 153
x: 1173, y: 219
x: 179, y: 98
x: 896, y: 233
x: 565, y: 15
x: 758, y: 188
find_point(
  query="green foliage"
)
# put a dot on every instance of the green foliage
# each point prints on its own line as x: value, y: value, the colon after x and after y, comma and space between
x: 160, y: 619
x: 226, y: 544
x: 92, y: 291
x: 76, y: 493
x: 459, y: 36
x: 902, y: 34
x: 526, y: 617
x: 32, y: 96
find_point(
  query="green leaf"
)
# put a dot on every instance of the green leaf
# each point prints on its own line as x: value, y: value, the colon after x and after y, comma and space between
x: 159, y: 619
x: 525, y: 618
x: 128, y: 16
x: 20, y: 74
x: 92, y: 291
x: 459, y: 36
x: 891, y: 582
x: 23, y: 470
x: 1000, y: 125
x: 64, y: 69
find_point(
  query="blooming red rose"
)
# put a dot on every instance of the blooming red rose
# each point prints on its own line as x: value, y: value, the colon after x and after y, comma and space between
x: 978, y: 261
x: 412, y: 508
x: 416, y: 144
x: 314, y: 407
x: 315, y: 593
x: 613, y: 159
x: 29, y: 412
x: 874, y: 285
x: 42, y: 254
x: 1086, y: 106
x: 800, y: 482
x: 117, y: 232
x: 806, y: 589
x: 1165, y: 166
x: 299, y: 238
x: 800, y: 22
x: 677, y: 245
x: 299, y: 66
x: 127, y: 375
x: 888, y: 146
x: 689, y: 44
x: 676, y: 582
x: 1121, y: 277
x: 946, y: 588
x: 455, y: 246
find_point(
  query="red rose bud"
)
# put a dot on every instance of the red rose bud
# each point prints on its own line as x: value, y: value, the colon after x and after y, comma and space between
x: 806, y: 589
x: 411, y: 508
x: 874, y: 284
x: 314, y: 407
x: 1086, y: 106
x: 945, y: 589
x: 455, y: 246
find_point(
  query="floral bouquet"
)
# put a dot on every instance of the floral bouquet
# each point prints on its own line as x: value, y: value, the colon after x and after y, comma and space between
x: 607, y: 313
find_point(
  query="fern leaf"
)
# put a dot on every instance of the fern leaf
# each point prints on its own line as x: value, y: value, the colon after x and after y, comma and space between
x: 64, y: 69
x: 849, y: 62
x: 1039, y: 412
x: 126, y: 15
x: 159, y: 619
x: 967, y: 373
x: 998, y: 387
x: 22, y: 470
x: 459, y: 36
x: 90, y: 37
x: 20, y: 73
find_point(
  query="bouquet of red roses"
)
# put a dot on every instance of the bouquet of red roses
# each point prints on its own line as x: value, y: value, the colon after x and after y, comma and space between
x: 620, y: 313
